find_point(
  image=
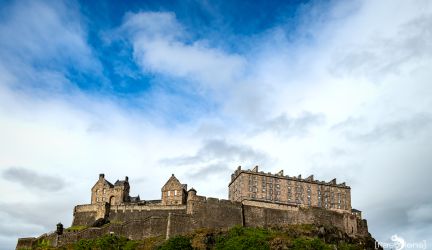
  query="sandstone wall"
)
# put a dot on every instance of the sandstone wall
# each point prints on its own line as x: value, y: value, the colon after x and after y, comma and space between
x: 84, y: 215
x: 25, y: 243
x: 272, y: 214
x: 214, y: 213
x: 124, y: 213
x: 141, y: 221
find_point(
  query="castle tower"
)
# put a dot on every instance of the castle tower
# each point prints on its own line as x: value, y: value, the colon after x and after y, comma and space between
x: 173, y: 192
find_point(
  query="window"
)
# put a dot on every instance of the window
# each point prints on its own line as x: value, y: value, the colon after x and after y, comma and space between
x: 169, y: 193
x: 104, y: 191
x: 175, y: 192
x: 97, y: 199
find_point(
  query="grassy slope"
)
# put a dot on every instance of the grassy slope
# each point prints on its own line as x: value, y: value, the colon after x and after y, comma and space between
x: 289, y: 237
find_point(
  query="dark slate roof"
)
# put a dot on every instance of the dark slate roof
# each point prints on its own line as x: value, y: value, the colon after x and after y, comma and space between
x: 355, y: 210
x: 134, y: 199
x: 119, y: 183
x: 109, y: 183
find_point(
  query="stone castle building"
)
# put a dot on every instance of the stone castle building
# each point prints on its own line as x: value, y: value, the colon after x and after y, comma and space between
x: 256, y: 199
x: 283, y: 189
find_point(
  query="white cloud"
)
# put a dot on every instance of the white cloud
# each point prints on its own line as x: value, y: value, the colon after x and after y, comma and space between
x: 161, y: 45
x: 76, y: 136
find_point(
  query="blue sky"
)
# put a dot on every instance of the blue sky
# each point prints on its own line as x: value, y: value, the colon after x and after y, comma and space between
x: 196, y: 88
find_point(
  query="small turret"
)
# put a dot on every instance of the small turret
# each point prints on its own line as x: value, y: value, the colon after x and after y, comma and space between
x: 191, y: 193
x: 59, y: 230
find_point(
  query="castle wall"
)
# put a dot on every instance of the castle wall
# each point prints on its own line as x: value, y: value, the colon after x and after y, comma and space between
x: 143, y: 221
x: 25, y: 243
x: 84, y: 215
x: 214, y: 213
x: 268, y: 214
x: 123, y: 213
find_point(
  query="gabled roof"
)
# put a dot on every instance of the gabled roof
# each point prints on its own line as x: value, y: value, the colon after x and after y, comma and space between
x: 119, y: 183
x: 105, y: 183
x: 173, y: 183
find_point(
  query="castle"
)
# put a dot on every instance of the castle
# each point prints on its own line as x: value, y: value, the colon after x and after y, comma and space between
x: 256, y: 199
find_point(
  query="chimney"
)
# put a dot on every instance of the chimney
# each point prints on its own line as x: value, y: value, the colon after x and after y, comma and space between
x: 127, y: 179
x: 101, y: 176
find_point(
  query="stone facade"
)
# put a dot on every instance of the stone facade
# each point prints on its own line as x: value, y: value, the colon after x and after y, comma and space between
x: 180, y: 211
x: 173, y: 192
x: 105, y: 192
x: 283, y: 189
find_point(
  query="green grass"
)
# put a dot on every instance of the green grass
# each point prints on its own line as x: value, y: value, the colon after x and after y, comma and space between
x: 295, y: 237
x: 244, y: 238
x: 107, y: 242
x: 177, y: 243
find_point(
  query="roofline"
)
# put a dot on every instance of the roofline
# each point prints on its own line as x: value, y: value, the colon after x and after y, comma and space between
x: 287, y: 178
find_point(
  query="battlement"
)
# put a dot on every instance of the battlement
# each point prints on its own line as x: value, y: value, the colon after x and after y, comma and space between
x: 145, y: 207
x: 280, y: 175
x: 212, y: 200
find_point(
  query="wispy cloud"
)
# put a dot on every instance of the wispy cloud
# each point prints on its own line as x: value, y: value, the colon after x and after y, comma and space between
x: 40, y: 41
x: 219, y: 149
x: 286, y: 126
x: 33, y: 180
x: 357, y: 129
x: 162, y: 45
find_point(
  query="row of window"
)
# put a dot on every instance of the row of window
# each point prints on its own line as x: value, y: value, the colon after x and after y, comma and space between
x: 100, y: 199
x: 98, y: 191
x: 175, y: 193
